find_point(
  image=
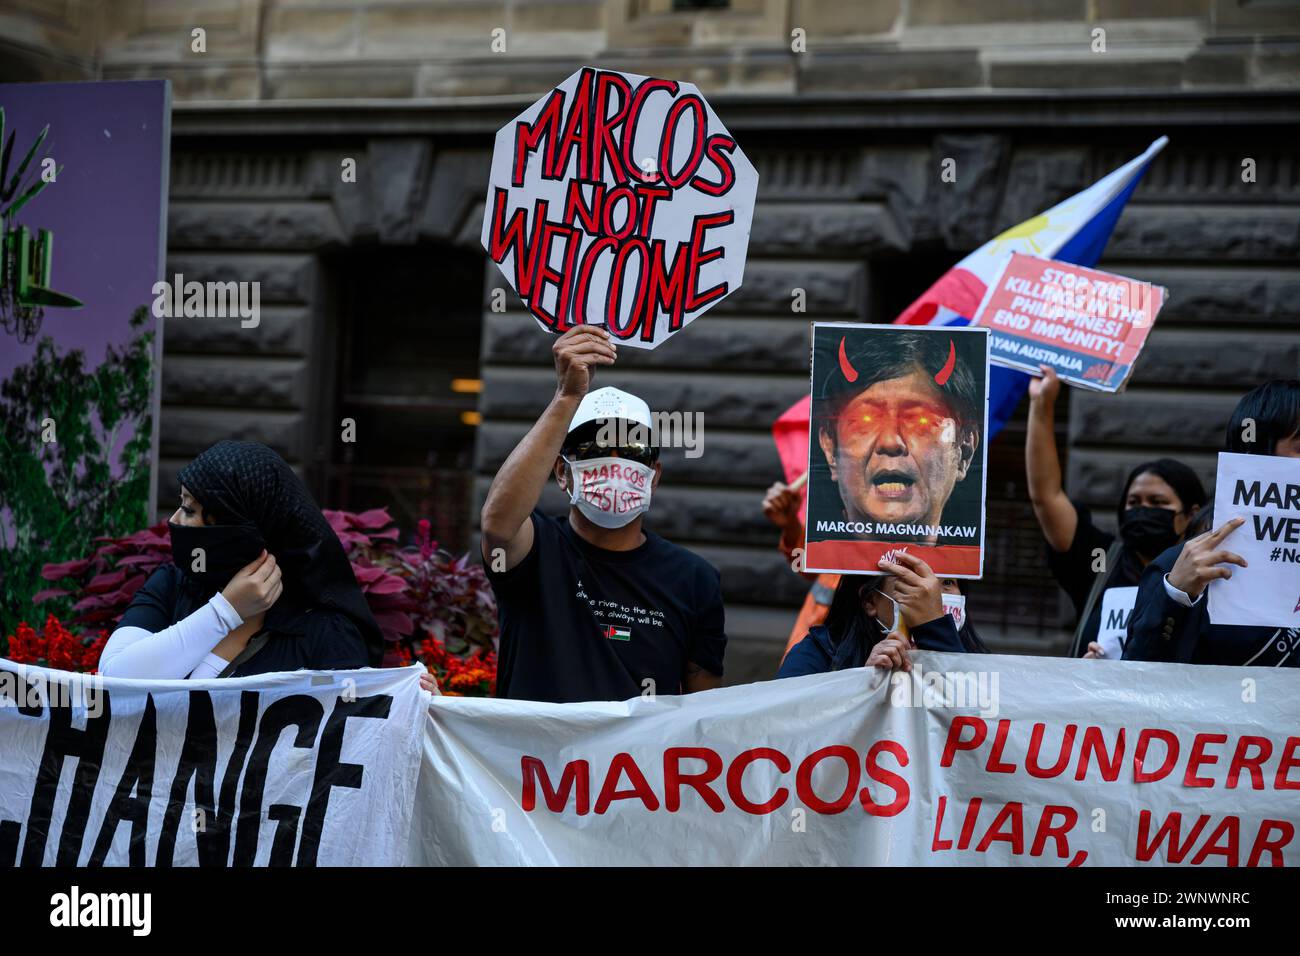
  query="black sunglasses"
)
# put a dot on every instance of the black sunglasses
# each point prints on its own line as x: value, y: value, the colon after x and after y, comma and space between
x: 641, y: 452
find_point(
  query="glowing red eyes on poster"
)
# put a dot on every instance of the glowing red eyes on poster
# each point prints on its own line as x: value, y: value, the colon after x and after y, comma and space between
x: 910, y: 420
x: 940, y: 377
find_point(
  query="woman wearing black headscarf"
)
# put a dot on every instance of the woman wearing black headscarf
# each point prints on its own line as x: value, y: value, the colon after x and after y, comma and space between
x: 259, y: 582
x: 1158, y: 501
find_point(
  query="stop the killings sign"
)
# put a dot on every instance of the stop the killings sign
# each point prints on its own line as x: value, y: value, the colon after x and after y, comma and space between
x: 619, y: 200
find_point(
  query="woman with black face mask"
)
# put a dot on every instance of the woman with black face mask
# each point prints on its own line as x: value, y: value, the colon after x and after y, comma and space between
x: 259, y: 582
x: 1158, y: 500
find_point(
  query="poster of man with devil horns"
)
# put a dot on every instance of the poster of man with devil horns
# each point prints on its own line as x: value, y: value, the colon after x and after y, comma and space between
x: 897, y: 456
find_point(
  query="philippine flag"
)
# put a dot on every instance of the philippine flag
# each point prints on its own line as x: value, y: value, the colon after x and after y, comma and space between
x: 1074, y: 231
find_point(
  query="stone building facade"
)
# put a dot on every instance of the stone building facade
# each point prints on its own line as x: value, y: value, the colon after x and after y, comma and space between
x: 377, y: 299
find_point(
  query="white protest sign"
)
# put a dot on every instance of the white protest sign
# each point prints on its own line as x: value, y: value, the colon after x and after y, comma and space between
x: 1116, y: 606
x: 969, y: 759
x: 619, y: 200
x: 308, y: 768
x: 1265, y: 490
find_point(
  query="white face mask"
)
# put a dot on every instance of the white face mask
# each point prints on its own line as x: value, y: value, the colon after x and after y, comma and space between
x: 610, y: 492
x: 898, y: 615
x: 955, y: 605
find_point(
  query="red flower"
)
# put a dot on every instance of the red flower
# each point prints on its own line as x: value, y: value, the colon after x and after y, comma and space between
x: 422, y: 536
x: 475, y: 676
x: 24, y: 646
x: 56, y: 647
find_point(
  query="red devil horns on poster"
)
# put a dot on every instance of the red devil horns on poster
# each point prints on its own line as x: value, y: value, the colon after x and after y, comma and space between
x: 941, y: 377
x: 850, y: 373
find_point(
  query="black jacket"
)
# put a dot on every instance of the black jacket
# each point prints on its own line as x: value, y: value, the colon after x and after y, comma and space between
x: 316, y: 639
x: 1161, y: 629
x: 818, y: 653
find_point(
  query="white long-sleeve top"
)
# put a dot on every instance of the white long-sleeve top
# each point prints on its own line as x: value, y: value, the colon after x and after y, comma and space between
x: 182, y: 650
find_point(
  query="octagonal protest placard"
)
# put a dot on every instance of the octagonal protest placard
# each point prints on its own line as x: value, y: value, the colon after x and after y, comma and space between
x: 619, y: 200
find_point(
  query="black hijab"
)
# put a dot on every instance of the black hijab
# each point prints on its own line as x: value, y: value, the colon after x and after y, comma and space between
x: 246, y: 483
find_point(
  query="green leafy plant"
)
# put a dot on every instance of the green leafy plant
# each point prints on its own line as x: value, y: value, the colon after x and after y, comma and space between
x: 26, y: 262
x: 17, y: 191
x: 56, y: 496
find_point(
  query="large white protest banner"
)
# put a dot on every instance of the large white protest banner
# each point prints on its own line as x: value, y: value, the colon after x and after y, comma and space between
x: 303, y: 769
x: 967, y: 760
x: 1265, y: 491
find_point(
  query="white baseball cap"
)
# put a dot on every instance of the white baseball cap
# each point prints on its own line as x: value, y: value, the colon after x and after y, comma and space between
x: 609, y: 402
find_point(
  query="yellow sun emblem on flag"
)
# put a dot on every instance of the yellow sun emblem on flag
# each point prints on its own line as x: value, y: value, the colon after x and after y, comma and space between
x: 1030, y: 235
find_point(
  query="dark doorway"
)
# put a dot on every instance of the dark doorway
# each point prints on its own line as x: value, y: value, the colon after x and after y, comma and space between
x: 410, y: 320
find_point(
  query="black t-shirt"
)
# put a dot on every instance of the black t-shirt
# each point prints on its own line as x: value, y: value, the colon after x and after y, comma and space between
x: 1073, y: 568
x: 580, y: 622
x: 313, y: 639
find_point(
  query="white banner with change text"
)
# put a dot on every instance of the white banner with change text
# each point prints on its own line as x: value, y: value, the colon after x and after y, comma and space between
x: 296, y: 769
x: 967, y: 759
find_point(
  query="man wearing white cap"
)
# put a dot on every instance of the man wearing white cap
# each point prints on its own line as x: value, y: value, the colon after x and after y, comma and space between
x: 593, y: 606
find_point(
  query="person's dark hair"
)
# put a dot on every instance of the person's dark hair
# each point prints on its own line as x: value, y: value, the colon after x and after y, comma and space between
x: 846, y: 605
x: 908, y: 351
x: 1203, y: 521
x: 1274, y: 407
x: 1178, y: 476
x: 969, y: 636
